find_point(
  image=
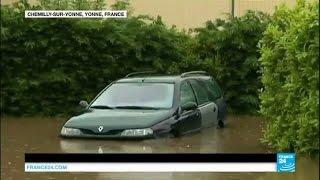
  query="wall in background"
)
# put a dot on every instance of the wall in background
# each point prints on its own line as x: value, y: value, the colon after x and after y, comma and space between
x: 191, y: 13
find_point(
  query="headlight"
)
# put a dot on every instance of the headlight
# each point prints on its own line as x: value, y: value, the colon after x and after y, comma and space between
x: 137, y: 132
x: 70, y: 131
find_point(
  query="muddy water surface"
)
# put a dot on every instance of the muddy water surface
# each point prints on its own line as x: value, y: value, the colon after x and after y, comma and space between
x: 21, y: 135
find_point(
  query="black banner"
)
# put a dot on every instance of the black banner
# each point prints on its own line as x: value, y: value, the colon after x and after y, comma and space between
x: 149, y: 158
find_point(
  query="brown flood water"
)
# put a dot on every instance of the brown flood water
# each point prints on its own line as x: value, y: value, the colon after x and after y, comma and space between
x: 21, y: 135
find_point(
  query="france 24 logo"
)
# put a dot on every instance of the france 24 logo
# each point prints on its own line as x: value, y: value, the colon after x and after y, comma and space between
x: 286, y: 162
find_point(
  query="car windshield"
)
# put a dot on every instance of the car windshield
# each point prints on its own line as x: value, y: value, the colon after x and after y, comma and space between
x: 140, y: 95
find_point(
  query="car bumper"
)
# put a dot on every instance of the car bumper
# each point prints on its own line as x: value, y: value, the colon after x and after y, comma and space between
x: 87, y: 136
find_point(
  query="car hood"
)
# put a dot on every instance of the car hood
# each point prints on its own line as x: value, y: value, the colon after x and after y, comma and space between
x: 117, y: 119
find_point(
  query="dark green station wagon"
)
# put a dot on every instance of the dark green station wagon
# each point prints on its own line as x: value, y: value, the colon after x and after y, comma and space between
x: 148, y: 106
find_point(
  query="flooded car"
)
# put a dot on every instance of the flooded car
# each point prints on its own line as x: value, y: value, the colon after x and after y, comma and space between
x: 146, y: 106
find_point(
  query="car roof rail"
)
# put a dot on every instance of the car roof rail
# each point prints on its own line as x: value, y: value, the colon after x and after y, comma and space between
x: 140, y: 73
x: 186, y: 74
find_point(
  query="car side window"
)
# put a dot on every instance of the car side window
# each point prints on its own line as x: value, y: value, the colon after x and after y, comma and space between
x: 186, y: 93
x: 200, y: 91
x: 213, y: 89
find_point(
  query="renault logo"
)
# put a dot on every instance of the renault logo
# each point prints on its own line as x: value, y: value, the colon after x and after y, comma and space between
x: 100, y: 128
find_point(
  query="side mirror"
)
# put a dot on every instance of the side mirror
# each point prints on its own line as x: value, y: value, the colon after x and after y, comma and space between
x: 83, y: 104
x: 189, y: 106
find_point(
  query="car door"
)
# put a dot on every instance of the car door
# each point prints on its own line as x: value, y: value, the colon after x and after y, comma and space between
x: 208, y: 109
x: 189, y: 120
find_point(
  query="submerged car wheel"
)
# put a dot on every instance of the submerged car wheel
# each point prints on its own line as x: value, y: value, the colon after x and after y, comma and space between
x: 220, y: 124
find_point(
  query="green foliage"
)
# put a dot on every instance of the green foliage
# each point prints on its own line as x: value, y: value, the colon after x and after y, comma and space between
x: 290, y: 65
x: 228, y: 50
x: 48, y: 65
x: 121, y: 5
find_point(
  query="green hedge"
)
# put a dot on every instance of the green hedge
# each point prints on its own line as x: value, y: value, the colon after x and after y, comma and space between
x: 290, y: 65
x: 48, y: 65
x: 228, y: 50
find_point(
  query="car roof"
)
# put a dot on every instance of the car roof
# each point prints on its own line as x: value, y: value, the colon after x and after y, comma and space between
x: 158, y: 79
x: 165, y: 79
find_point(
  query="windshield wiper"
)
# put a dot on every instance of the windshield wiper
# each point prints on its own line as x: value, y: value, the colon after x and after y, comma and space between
x: 136, y: 107
x: 101, y: 107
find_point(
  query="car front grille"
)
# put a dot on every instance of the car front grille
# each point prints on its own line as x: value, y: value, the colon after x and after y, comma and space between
x: 111, y: 132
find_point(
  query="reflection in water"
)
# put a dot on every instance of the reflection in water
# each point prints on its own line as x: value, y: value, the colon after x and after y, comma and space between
x: 74, y: 146
x: 100, y: 150
x: 20, y: 135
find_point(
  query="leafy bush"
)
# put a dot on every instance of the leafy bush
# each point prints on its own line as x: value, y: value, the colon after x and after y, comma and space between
x: 48, y: 65
x: 290, y: 65
x: 228, y: 50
